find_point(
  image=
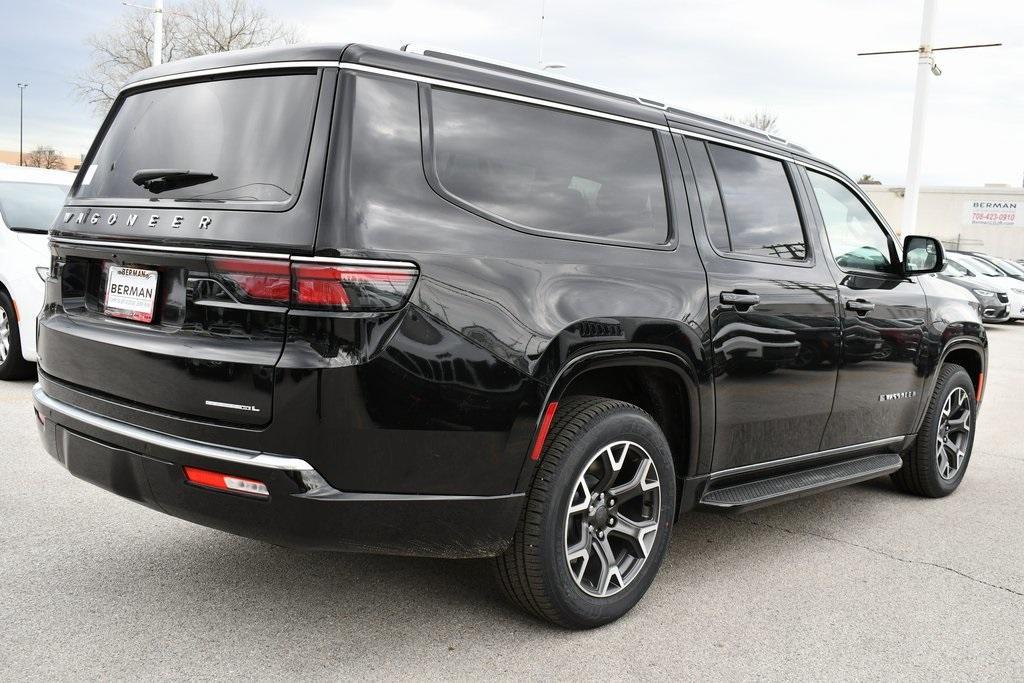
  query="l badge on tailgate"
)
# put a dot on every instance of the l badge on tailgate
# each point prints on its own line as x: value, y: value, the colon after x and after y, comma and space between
x: 233, y: 406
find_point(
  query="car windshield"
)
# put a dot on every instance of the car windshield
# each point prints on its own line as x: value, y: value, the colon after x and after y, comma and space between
x: 954, y: 268
x: 1009, y: 267
x: 30, y: 207
x: 979, y: 266
x: 237, y: 140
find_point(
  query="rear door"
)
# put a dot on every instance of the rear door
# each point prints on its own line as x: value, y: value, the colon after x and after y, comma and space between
x: 881, y: 377
x: 170, y: 280
x: 774, y: 324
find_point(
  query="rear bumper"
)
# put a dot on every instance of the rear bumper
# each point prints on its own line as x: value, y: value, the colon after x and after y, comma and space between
x: 303, y: 510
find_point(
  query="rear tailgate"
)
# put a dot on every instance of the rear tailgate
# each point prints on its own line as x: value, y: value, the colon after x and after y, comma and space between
x: 186, y: 178
x: 205, y: 354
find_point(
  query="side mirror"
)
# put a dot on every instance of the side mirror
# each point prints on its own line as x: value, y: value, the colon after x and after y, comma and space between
x: 922, y: 255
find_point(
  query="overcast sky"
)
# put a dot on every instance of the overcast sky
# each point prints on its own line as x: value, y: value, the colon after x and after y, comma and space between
x: 794, y: 58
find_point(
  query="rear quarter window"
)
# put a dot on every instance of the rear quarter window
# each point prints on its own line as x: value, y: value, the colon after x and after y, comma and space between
x: 251, y: 133
x: 542, y: 169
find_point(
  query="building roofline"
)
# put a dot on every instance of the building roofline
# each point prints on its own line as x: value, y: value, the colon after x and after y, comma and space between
x: 955, y: 189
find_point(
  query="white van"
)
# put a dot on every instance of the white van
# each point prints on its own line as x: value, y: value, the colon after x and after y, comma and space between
x: 30, y: 199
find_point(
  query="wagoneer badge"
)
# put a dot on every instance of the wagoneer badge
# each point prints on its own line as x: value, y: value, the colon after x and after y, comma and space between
x: 94, y: 218
x: 894, y: 397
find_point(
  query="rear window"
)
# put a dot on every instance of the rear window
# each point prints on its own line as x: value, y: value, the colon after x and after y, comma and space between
x: 30, y: 207
x: 549, y: 170
x: 240, y: 139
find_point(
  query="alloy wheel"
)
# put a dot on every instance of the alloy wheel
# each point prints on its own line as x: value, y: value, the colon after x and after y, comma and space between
x: 5, y: 335
x: 612, y: 518
x: 953, y: 433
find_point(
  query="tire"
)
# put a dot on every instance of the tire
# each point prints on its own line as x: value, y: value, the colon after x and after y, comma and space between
x: 12, y: 365
x: 926, y: 471
x: 536, y: 572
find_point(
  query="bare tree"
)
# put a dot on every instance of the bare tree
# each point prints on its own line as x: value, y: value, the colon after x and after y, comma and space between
x: 868, y: 179
x: 45, y: 157
x: 195, y: 28
x: 761, y: 120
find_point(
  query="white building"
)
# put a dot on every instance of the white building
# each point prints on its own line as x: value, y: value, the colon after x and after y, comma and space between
x: 988, y: 219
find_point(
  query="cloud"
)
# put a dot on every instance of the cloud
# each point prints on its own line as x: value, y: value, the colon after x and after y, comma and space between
x: 794, y: 57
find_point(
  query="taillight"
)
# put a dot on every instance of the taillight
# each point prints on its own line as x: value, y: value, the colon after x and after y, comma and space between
x: 352, y: 287
x: 255, y: 280
x: 321, y: 283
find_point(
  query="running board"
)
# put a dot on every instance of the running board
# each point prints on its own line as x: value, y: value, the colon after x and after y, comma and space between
x: 754, y: 494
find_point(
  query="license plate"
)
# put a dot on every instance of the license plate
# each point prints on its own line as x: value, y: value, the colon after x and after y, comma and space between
x: 131, y: 293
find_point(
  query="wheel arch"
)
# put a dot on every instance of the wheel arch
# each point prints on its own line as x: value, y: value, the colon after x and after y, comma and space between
x: 663, y: 383
x: 970, y: 359
x: 967, y: 352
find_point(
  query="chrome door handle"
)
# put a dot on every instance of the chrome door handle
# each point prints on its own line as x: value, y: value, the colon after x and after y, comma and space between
x: 861, y: 306
x: 742, y: 299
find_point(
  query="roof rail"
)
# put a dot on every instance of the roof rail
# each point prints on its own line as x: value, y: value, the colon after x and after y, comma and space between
x: 508, y: 67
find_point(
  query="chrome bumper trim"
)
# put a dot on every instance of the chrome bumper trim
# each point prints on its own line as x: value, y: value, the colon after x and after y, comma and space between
x: 233, y: 455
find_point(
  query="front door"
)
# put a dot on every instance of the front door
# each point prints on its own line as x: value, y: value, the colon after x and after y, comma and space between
x: 773, y: 303
x: 880, y: 386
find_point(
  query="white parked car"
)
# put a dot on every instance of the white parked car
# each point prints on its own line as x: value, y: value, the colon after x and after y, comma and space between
x: 985, y: 272
x: 30, y: 199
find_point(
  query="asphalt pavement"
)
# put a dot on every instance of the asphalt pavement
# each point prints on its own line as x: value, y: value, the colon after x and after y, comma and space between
x: 862, y: 582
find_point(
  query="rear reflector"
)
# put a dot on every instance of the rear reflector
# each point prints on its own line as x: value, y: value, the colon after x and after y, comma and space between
x: 542, y: 433
x: 981, y: 386
x: 226, y: 482
x: 349, y: 287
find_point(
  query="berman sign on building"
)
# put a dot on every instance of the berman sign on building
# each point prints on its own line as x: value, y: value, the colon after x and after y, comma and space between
x: 994, y: 212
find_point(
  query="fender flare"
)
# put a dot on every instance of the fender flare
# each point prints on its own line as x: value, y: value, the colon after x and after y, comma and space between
x: 954, y: 345
x: 701, y: 407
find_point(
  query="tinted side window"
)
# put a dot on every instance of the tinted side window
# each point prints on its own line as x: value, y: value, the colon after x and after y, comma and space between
x: 857, y: 240
x: 760, y: 209
x: 710, y: 201
x: 550, y: 170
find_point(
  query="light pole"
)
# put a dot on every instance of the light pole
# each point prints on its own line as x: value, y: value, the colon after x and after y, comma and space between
x: 925, y: 64
x: 21, y: 123
x: 158, y: 27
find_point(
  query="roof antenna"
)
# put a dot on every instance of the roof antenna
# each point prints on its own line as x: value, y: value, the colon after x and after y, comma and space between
x: 540, y: 52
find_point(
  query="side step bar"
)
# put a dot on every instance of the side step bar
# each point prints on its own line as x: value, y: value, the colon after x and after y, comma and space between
x: 754, y: 494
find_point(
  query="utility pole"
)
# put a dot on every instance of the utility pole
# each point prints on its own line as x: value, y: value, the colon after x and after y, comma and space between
x: 925, y: 64
x: 158, y: 31
x: 158, y: 28
x: 21, y: 123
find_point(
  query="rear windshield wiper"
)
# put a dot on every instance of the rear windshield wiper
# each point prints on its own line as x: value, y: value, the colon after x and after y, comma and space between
x: 157, y: 180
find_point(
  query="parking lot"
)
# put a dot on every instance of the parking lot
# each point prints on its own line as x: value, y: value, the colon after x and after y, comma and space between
x: 863, y: 582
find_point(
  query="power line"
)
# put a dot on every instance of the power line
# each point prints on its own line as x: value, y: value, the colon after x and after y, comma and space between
x: 925, y: 64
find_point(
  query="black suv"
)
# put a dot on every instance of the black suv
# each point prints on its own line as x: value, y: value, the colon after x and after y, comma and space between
x: 347, y: 298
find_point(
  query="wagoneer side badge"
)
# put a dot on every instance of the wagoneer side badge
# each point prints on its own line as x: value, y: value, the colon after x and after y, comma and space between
x: 94, y: 218
x: 897, y: 396
x: 233, y: 406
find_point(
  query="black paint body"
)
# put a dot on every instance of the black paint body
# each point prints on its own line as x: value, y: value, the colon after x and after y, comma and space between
x: 422, y: 419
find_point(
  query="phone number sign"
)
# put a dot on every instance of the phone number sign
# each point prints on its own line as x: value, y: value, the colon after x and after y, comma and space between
x: 994, y: 212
